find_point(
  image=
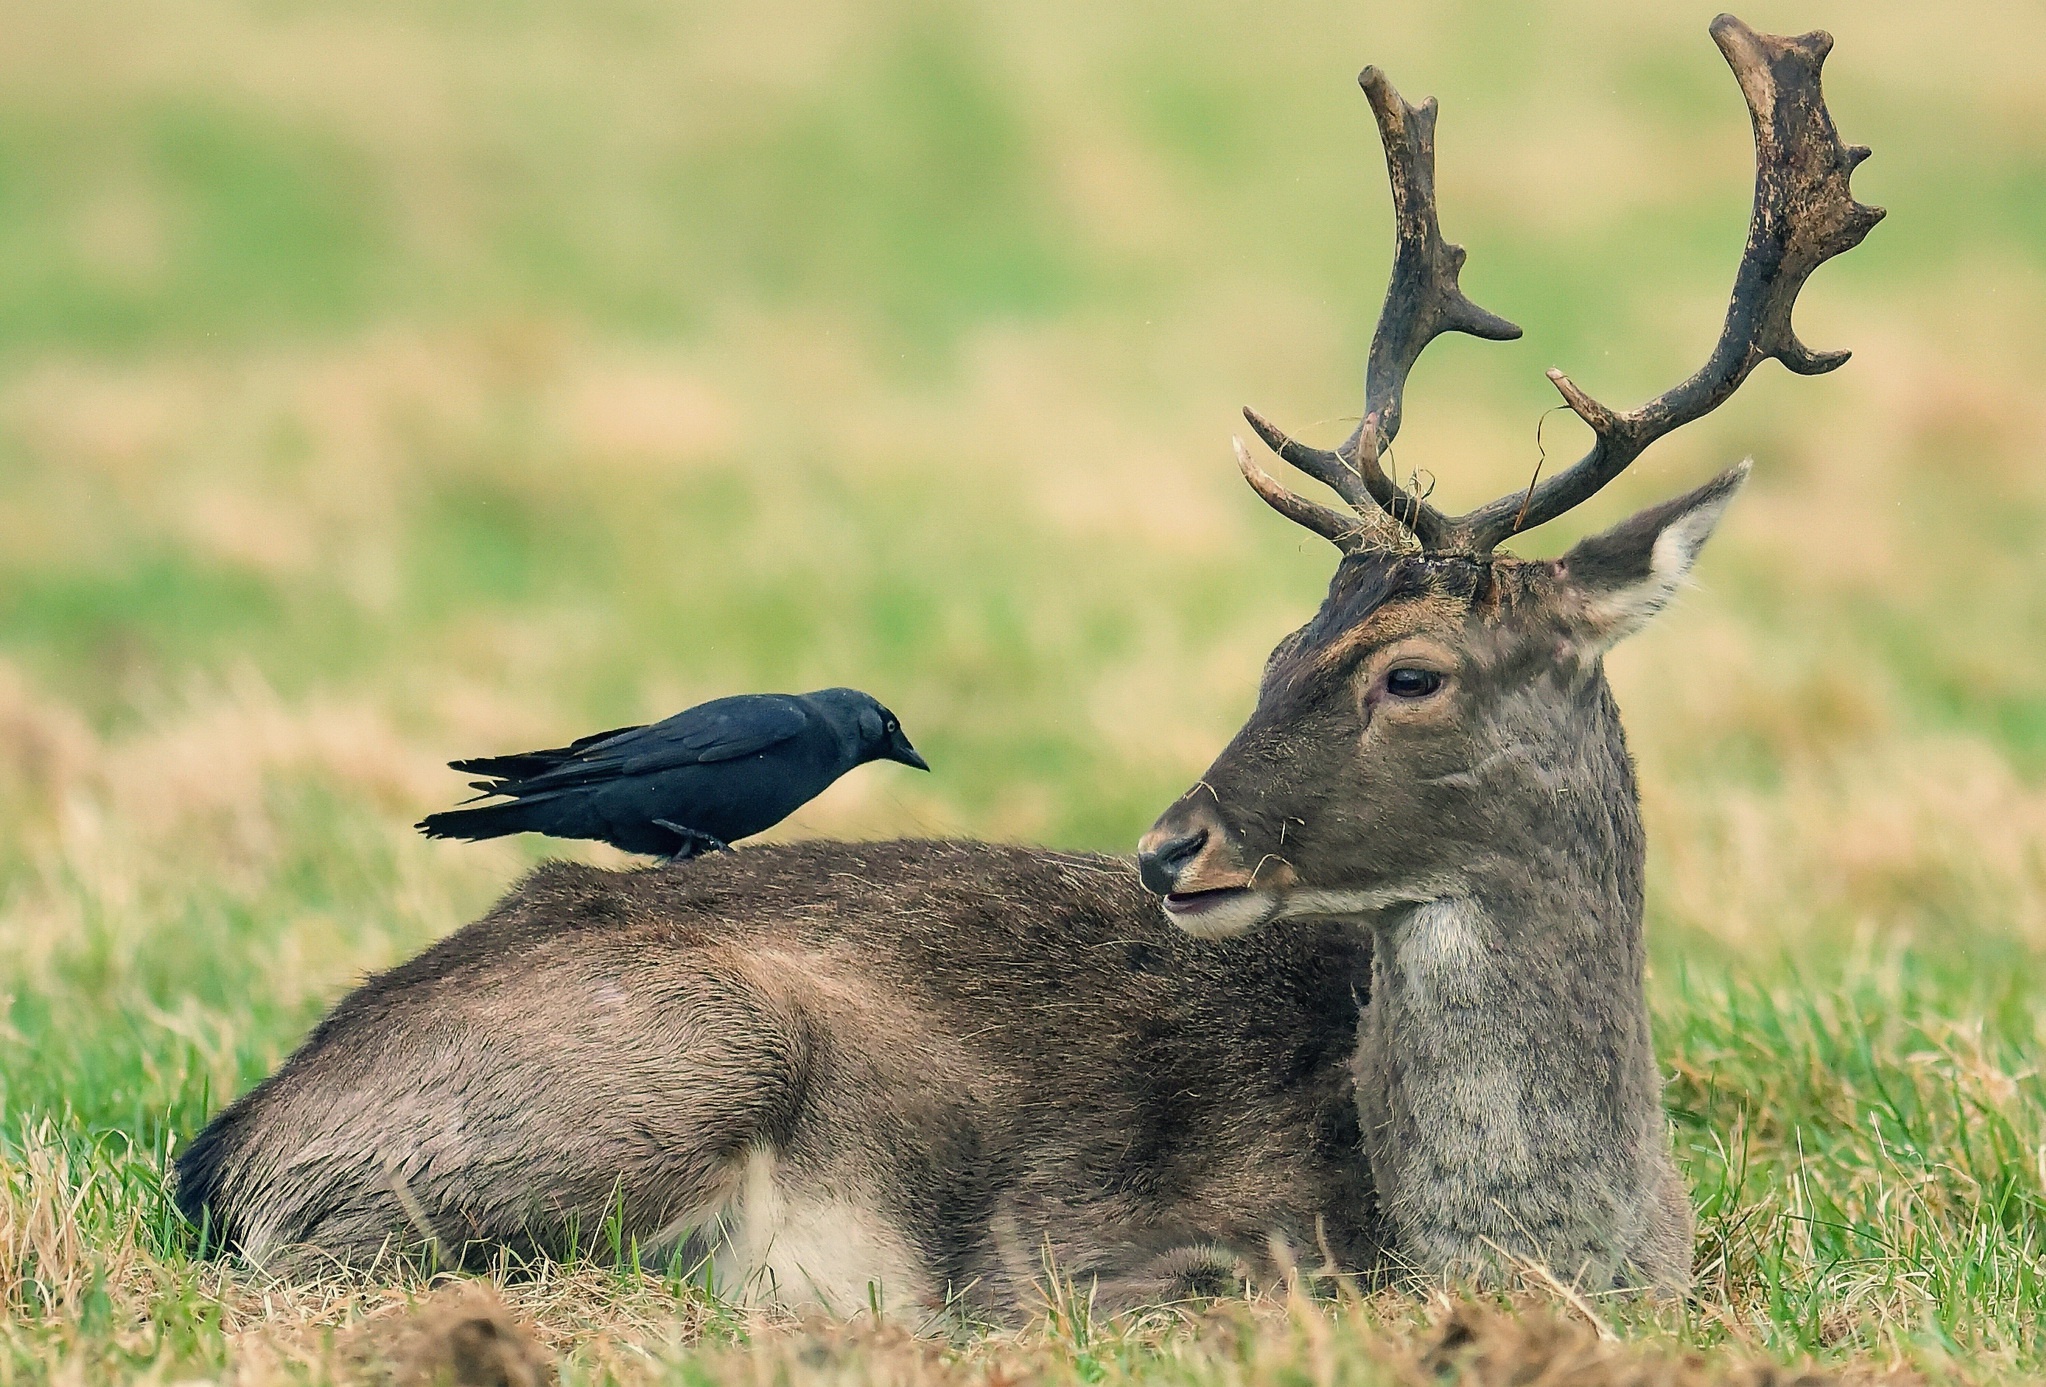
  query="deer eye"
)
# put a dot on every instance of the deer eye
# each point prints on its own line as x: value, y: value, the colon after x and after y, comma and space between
x: 1412, y: 683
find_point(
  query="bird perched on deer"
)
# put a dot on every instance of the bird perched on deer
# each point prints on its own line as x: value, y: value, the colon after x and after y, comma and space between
x: 692, y: 783
x: 907, y: 1076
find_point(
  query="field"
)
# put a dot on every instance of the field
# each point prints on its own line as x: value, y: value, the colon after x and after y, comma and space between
x: 383, y: 382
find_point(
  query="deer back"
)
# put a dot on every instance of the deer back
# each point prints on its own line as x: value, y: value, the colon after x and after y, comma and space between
x: 929, y: 1065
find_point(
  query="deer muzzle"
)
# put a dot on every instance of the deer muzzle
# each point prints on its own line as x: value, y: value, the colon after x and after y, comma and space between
x: 1191, y: 861
x: 1161, y: 860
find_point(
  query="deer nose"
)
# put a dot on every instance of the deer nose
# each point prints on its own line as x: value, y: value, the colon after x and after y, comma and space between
x: 1161, y: 865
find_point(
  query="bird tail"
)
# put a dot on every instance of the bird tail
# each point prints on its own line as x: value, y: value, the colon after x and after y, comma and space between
x: 524, y: 765
x: 484, y: 821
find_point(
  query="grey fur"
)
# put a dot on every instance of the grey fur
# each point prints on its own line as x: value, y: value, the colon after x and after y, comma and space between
x: 1489, y: 838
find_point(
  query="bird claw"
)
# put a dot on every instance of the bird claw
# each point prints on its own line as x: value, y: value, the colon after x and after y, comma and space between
x: 694, y: 841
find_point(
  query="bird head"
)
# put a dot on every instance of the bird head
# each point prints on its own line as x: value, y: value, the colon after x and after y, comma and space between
x: 874, y: 732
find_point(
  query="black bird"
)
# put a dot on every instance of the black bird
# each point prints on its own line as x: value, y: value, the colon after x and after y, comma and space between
x: 692, y: 783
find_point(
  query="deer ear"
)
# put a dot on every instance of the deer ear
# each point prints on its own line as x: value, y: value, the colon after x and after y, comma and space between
x: 1625, y: 576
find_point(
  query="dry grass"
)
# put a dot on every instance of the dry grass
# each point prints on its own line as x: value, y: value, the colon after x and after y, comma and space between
x: 97, y: 1304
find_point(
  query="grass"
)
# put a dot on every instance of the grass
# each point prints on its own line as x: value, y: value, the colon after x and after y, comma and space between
x: 384, y: 383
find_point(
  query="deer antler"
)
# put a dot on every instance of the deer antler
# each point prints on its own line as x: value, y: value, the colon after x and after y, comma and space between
x: 1422, y: 301
x: 1804, y: 214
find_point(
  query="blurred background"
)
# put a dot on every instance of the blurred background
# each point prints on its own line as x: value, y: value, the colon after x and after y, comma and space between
x: 383, y: 382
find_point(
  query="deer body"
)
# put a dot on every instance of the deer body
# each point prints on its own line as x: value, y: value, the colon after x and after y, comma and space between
x: 918, y: 1071
x: 1400, y: 1025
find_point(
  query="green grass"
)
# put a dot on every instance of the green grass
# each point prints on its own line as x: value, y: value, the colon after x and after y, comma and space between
x: 384, y: 383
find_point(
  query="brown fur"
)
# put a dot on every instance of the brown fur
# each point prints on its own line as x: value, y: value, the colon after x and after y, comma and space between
x: 1000, y: 1054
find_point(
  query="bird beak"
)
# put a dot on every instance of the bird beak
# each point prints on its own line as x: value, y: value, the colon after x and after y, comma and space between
x: 905, y: 753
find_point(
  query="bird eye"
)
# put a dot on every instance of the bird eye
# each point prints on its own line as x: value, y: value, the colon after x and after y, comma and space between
x: 1412, y: 683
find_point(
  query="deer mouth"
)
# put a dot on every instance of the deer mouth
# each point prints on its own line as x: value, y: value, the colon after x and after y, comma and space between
x: 1222, y: 913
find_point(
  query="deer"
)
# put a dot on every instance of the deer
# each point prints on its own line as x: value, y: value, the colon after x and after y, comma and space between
x: 1368, y: 1002
x: 1438, y: 757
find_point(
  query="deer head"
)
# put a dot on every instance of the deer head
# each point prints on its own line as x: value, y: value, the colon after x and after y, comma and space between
x: 1446, y: 707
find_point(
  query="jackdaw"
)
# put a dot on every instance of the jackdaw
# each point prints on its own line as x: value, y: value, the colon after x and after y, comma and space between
x: 693, y: 783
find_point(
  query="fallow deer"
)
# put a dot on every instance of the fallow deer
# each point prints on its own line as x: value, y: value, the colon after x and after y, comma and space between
x: 1437, y: 755
x: 918, y: 1072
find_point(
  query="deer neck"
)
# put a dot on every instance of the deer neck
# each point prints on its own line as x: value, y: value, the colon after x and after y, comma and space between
x: 1510, y: 1099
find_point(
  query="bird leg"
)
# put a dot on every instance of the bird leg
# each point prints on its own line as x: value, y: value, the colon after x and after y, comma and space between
x: 694, y: 841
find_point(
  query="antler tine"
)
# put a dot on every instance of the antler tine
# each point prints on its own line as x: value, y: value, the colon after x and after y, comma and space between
x: 1345, y: 532
x: 1324, y: 466
x: 1354, y: 475
x: 1804, y: 215
x: 1422, y: 301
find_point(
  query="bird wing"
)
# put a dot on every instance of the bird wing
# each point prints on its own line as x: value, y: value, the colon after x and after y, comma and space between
x: 523, y: 764
x: 724, y: 729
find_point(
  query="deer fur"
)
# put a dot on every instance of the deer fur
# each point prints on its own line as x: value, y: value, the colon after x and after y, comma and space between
x: 1399, y: 1029
x: 920, y: 1071
x: 926, y: 1073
